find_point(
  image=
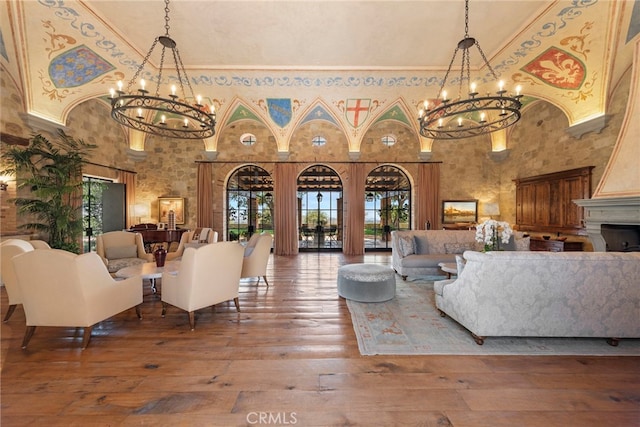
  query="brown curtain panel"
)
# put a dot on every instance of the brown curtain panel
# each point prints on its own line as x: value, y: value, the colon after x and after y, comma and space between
x: 204, y: 190
x: 427, y: 196
x: 129, y: 180
x: 285, y: 209
x: 354, y: 230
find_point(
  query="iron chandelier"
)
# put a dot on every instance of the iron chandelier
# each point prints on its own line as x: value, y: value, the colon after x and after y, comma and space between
x: 174, y: 116
x: 463, y: 118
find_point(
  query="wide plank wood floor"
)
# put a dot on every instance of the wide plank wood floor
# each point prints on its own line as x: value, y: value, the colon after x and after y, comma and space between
x: 290, y: 357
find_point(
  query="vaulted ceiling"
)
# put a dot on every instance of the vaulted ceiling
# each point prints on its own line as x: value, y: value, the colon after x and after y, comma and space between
x: 392, y: 53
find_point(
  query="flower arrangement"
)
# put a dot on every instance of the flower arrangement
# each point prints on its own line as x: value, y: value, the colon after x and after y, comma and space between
x: 490, y: 232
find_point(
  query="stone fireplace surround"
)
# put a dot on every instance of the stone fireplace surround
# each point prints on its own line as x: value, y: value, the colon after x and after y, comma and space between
x: 611, y: 211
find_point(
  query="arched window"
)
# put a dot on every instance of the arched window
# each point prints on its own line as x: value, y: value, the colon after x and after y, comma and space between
x: 249, y: 203
x: 387, y: 206
x: 320, y: 209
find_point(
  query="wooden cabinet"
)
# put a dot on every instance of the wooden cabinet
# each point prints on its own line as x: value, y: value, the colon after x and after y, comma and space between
x: 545, y: 202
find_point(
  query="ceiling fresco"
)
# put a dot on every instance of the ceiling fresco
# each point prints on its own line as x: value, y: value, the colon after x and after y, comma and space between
x: 63, y: 53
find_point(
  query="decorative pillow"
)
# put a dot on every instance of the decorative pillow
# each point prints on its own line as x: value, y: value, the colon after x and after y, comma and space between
x: 458, y: 248
x: 406, y: 246
x: 460, y: 262
x: 248, y: 250
x: 200, y: 235
x: 421, y: 244
x: 118, y: 252
x: 523, y: 244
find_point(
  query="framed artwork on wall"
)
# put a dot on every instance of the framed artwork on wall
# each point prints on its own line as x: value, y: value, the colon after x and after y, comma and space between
x: 457, y: 211
x: 166, y: 204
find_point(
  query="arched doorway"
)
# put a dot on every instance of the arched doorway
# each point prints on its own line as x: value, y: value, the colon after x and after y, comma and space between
x: 387, y: 206
x: 319, y: 209
x: 249, y: 203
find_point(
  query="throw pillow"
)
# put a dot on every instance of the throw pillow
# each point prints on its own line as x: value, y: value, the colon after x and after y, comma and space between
x: 406, y: 246
x: 458, y: 248
x: 118, y: 252
x: 460, y: 262
x: 523, y: 244
x: 248, y: 250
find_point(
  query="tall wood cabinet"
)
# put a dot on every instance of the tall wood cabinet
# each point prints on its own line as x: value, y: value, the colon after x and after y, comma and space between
x: 545, y: 202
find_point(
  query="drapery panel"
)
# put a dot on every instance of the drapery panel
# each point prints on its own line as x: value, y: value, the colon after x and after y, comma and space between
x: 129, y: 180
x: 204, y: 190
x: 285, y: 210
x: 354, y: 230
x: 427, y: 196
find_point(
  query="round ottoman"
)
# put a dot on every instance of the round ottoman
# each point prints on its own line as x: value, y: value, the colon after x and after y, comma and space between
x: 366, y: 282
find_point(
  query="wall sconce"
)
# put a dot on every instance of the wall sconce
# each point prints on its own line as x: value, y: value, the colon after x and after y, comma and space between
x: 3, y: 186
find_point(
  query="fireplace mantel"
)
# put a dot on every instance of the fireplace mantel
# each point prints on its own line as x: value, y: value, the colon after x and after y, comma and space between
x: 610, y: 210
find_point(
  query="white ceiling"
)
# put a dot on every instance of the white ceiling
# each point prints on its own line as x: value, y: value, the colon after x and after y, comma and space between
x: 311, y: 34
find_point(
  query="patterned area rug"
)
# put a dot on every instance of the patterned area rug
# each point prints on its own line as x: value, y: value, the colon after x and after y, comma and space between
x: 410, y: 324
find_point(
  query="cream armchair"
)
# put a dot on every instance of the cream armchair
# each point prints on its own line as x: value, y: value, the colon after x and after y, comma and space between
x: 8, y: 249
x: 63, y: 289
x: 208, y: 275
x: 256, y: 257
x: 120, y: 249
x: 193, y: 239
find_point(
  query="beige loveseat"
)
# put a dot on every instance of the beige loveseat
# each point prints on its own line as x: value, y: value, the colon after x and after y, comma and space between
x: 418, y: 252
x: 545, y: 294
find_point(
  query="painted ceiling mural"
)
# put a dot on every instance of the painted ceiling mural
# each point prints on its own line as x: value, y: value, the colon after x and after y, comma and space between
x: 562, y: 56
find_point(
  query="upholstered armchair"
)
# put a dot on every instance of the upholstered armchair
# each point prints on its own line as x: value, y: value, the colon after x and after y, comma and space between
x: 63, y: 289
x: 193, y: 239
x: 208, y: 275
x: 256, y: 256
x: 8, y: 249
x: 120, y: 249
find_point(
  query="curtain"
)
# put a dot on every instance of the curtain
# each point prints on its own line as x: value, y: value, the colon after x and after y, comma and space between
x: 204, y: 190
x: 285, y: 209
x: 129, y: 180
x: 428, y: 194
x: 354, y: 226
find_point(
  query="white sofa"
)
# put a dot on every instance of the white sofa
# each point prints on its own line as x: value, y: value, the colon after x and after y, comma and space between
x: 545, y: 294
x: 418, y: 252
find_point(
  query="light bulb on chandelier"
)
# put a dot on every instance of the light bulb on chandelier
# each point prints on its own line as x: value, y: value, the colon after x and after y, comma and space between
x: 475, y: 115
x: 172, y: 117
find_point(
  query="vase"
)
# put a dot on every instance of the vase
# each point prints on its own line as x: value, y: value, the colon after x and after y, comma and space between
x: 160, y: 256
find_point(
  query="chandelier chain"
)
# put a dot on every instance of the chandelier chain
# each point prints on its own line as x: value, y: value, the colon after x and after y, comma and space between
x: 166, y: 17
x: 141, y: 67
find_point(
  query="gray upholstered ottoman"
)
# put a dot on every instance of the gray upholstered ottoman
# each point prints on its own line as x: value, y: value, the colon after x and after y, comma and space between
x: 366, y: 282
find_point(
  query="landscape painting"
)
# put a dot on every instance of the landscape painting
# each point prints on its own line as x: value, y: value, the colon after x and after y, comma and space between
x: 456, y: 211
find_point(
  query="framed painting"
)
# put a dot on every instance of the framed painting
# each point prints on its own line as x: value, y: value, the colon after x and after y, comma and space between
x: 166, y: 204
x: 457, y: 211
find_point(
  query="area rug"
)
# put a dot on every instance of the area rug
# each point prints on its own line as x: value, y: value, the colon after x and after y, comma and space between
x: 410, y: 324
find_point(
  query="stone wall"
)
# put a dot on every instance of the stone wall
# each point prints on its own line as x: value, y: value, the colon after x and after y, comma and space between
x: 538, y: 144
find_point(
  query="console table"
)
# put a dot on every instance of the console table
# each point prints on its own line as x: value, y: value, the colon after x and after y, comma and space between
x: 554, y: 245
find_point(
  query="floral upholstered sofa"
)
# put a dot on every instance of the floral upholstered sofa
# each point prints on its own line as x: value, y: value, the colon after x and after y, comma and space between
x: 545, y: 294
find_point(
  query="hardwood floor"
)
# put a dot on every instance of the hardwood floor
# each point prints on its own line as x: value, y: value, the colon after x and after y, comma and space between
x: 290, y: 357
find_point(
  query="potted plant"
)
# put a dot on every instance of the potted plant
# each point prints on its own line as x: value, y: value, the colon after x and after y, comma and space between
x: 52, y: 172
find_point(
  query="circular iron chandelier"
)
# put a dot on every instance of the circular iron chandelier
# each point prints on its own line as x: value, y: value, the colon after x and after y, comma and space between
x: 173, y: 116
x: 463, y: 118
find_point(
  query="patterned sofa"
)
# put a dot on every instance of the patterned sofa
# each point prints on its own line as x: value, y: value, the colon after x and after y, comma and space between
x: 545, y: 294
x: 418, y: 252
